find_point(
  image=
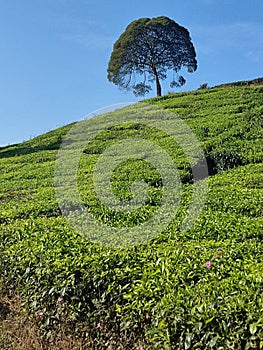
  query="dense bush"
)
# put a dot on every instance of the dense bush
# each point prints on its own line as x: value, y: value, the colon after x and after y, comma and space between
x: 200, y: 289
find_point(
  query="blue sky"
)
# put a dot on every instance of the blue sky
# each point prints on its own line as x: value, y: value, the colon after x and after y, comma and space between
x: 54, y: 54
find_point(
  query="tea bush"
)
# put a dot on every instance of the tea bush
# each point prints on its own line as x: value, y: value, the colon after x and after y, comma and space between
x: 199, y: 289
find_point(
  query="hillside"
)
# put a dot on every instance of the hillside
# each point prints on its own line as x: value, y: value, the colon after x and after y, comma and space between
x: 195, y: 289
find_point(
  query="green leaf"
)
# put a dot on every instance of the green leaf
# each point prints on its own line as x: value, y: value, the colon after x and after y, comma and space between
x: 253, y: 328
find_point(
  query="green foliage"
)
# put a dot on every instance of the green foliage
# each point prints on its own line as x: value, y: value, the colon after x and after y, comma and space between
x: 148, y: 48
x: 253, y: 82
x: 200, y: 289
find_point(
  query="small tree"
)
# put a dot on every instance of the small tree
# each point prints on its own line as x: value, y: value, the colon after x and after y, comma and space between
x: 150, y: 47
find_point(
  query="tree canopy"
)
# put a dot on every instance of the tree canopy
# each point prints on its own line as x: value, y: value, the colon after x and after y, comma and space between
x: 149, y: 48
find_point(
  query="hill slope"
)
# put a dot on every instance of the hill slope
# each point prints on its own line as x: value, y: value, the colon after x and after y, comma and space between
x: 198, y: 289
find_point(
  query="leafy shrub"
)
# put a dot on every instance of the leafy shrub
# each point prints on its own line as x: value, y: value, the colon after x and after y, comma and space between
x: 203, y: 86
x: 199, y: 289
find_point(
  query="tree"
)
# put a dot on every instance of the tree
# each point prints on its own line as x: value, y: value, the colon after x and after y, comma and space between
x: 149, y: 48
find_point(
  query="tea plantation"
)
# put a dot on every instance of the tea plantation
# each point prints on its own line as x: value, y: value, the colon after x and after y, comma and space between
x: 195, y: 289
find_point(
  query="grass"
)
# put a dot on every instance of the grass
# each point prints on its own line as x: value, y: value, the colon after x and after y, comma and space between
x: 19, y: 332
x: 157, y: 295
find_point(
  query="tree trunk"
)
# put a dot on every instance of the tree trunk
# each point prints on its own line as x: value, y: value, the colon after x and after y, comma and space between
x: 158, y: 85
